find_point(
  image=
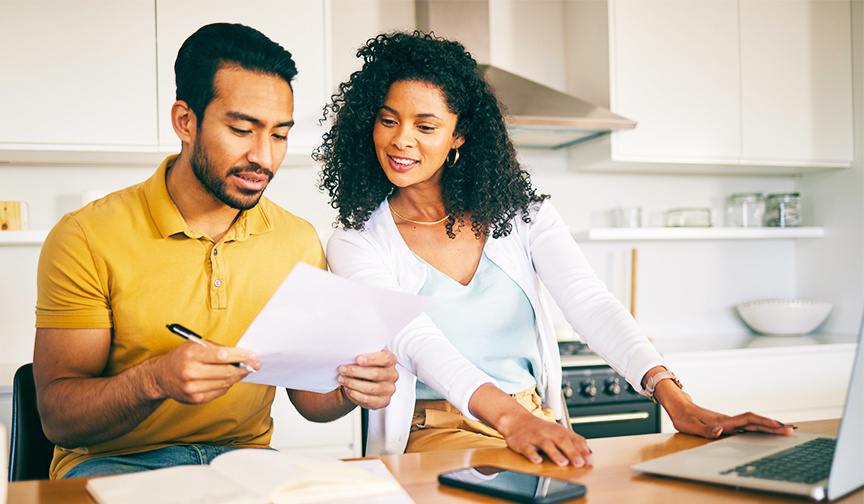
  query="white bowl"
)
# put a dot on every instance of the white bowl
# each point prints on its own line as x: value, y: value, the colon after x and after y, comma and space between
x: 784, y: 316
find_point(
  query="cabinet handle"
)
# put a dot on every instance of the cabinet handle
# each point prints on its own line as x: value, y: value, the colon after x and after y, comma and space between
x: 620, y: 417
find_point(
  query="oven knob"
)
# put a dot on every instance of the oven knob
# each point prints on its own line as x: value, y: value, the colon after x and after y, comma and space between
x: 589, y: 388
x: 567, y: 390
x: 613, y: 386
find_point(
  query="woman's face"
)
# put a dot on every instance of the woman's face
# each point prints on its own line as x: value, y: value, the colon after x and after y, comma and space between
x: 414, y: 133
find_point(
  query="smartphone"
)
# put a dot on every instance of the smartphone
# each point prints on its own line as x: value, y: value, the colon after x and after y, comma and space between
x: 513, y: 485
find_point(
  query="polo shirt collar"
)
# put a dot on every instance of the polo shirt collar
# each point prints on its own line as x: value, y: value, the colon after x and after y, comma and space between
x: 168, y: 220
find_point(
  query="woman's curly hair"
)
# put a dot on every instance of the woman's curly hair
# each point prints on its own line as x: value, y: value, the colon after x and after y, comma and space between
x: 487, y: 183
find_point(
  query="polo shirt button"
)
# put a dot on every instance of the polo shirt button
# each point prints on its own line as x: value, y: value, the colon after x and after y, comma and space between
x: 217, y: 283
x: 215, y: 252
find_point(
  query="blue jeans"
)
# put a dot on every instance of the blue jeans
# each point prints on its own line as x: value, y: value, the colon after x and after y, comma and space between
x: 155, y: 459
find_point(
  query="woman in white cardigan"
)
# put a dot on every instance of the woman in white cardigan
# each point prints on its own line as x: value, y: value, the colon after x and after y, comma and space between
x: 432, y: 201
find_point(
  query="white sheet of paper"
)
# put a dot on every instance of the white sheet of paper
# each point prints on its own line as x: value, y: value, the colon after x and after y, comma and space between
x: 317, y: 321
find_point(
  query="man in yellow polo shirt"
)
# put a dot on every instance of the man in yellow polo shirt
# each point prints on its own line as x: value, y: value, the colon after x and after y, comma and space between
x: 195, y: 244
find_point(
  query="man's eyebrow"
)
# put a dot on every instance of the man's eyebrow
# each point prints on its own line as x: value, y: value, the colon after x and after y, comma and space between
x: 240, y: 116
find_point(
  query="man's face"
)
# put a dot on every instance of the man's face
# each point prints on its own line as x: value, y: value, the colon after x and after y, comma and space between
x: 242, y: 140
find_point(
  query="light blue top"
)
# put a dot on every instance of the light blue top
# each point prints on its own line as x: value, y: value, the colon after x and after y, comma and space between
x: 490, y: 321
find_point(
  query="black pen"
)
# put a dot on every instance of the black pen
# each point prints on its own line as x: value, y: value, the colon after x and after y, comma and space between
x: 191, y: 336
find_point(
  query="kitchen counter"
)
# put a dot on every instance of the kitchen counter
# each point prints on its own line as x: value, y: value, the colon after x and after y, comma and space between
x: 730, y: 345
x: 765, y: 374
x: 739, y: 342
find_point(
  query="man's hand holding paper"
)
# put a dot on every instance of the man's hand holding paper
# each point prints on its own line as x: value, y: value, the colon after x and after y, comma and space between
x: 319, y: 328
x: 371, y: 381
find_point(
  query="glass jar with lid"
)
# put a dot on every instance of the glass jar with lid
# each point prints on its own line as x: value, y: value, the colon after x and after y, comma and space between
x: 783, y: 210
x: 745, y: 210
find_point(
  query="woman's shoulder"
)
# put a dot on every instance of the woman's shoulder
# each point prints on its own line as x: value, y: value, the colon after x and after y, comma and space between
x: 374, y: 231
x: 539, y: 213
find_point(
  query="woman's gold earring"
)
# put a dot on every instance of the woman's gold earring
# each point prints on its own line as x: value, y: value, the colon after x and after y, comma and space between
x: 451, y: 164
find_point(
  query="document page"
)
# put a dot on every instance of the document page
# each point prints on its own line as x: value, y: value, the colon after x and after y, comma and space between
x: 255, y: 476
x: 317, y: 321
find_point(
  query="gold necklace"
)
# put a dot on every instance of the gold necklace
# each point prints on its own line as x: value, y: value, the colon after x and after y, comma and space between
x: 406, y: 219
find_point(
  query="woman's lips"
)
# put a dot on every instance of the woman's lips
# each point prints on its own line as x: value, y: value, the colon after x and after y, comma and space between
x: 401, y: 164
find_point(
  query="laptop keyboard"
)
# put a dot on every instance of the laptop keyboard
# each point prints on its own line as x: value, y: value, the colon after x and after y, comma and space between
x: 808, y: 463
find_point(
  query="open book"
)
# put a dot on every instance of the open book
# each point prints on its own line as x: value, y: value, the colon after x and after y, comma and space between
x: 253, y: 476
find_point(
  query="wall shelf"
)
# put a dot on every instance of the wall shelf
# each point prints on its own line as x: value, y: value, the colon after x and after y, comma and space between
x: 90, y: 156
x: 13, y: 238
x: 694, y: 233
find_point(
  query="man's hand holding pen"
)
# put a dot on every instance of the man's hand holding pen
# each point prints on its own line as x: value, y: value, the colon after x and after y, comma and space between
x: 196, y: 373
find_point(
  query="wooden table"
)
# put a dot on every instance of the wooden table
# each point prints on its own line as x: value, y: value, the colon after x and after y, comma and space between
x: 610, y: 480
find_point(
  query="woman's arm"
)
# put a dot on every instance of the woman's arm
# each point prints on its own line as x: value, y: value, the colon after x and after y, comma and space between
x: 611, y: 331
x: 593, y: 312
x: 689, y: 418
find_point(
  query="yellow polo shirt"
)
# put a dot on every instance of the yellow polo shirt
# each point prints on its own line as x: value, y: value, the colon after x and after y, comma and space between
x: 130, y: 263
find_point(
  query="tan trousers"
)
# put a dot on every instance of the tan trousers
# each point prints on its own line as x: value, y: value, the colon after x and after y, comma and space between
x: 438, y: 425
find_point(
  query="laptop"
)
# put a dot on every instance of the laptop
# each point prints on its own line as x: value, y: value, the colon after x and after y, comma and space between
x: 762, y: 461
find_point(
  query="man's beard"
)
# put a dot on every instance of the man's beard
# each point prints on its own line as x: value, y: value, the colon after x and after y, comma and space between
x: 203, y: 169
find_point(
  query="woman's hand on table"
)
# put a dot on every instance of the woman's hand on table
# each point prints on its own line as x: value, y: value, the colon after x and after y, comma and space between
x: 526, y: 434
x: 529, y: 435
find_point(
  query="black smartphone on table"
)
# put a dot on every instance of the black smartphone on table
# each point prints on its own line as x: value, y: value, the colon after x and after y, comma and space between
x: 514, y: 485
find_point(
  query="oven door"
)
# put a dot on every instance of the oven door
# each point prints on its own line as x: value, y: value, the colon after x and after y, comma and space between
x: 619, y: 419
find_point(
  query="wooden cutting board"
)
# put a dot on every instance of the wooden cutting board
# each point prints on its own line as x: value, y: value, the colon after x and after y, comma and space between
x: 14, y: 216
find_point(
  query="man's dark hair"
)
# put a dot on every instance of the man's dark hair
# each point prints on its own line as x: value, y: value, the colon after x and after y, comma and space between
x: 216, y: 45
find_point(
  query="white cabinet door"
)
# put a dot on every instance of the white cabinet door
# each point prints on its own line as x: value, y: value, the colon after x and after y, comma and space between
x: 297, y: 25
x: 77, y: 73
x: 723, y: 82
x: 674, y: 70
x: 796, y: 75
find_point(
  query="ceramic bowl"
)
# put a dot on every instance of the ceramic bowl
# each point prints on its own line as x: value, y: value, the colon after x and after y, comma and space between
x: 784, y: 317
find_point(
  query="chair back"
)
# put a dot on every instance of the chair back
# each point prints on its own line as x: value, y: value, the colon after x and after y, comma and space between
x: 30, y: 452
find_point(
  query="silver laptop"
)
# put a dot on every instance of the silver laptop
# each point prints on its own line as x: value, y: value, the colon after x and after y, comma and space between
x: 746, y: 460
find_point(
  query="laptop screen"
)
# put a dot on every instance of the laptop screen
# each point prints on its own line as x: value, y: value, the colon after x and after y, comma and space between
x: 846, y: 469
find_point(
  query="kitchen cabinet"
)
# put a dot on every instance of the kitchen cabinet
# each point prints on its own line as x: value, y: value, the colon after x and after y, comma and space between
x: 76, y: 75
x: 727, y: 87
x: 92, y: 82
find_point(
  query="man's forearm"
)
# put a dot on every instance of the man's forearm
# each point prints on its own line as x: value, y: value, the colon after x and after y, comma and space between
x: 321, y: 407
x: 85, y: 411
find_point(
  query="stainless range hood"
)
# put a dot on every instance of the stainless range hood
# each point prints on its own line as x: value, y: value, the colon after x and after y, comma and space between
x: 538, y: 116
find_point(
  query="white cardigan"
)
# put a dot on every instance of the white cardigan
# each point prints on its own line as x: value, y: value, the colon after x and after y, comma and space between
x: 541, y: 251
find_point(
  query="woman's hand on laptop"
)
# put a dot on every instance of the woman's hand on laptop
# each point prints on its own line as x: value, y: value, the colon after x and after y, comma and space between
x: 690, y: 418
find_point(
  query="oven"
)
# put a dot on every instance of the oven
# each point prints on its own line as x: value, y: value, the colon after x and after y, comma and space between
x: 599, y: 401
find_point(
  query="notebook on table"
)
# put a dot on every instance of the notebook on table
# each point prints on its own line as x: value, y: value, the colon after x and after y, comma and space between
x: 828, y: 467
